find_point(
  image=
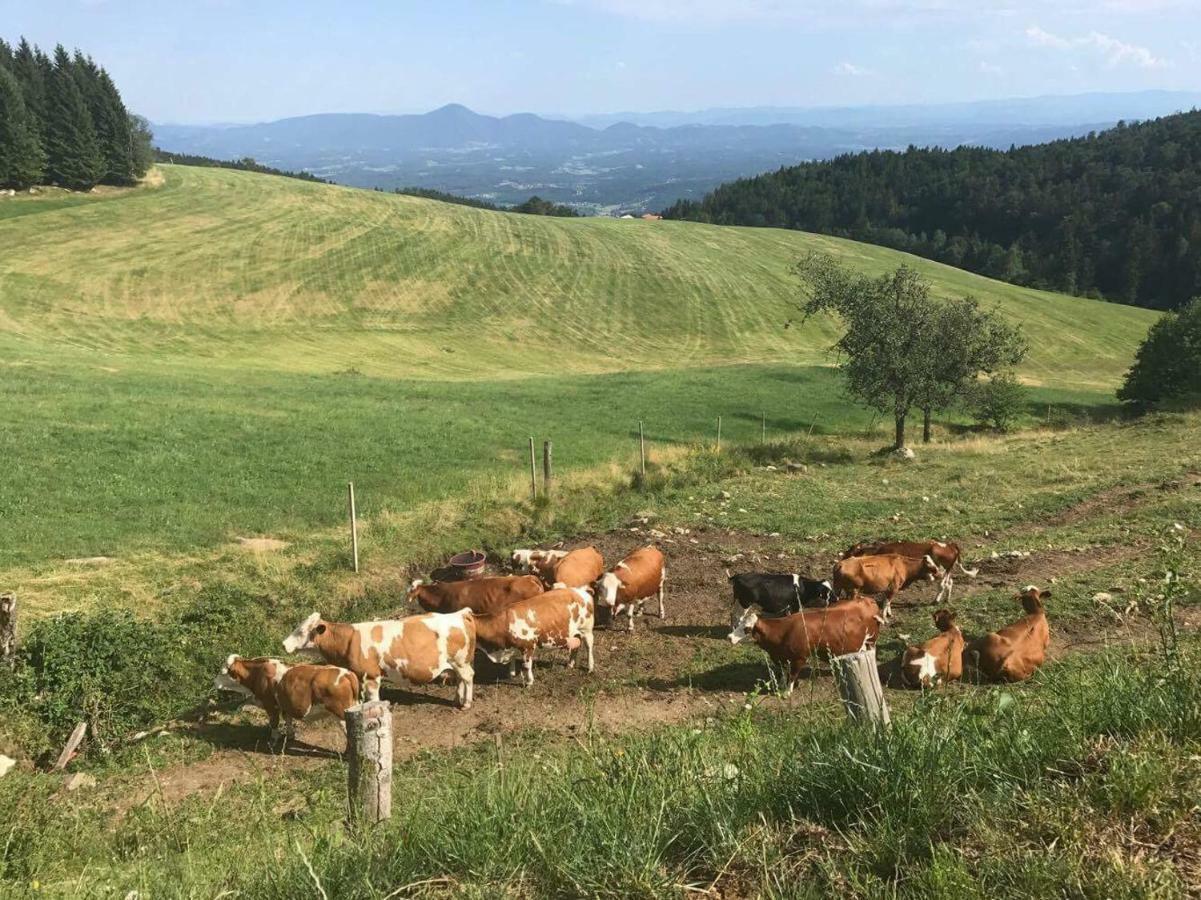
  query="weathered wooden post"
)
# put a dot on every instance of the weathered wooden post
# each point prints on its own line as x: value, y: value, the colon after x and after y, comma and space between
x: 8, y: 629
x: 70, y: 747
x: 369, y: 762
x: 533, y: 472
x: 546, y: 469
x: 642, y: 450
x: 354, y: 527
x: 719, y: 432
x: 858, y: 681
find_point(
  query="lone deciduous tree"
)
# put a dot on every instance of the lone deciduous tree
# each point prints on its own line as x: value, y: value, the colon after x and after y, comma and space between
x: 903, y: 350
x: 1168, y: 363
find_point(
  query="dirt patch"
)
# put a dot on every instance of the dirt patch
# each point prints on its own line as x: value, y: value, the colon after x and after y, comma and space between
x: 261, y: 544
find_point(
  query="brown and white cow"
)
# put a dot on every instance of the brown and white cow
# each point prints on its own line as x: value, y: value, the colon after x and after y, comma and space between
x: 579, y: 568
x: 944, y: 553
x: 480, y: 595
x: 292, y: 693
x: 562, y: 617
x: 540, y: 562
x: 1014, y: 652
x: 631, y: 582
x: 938, y: 660
x: 417, y: 648
x: 792, y: 641
x: 887, y: 574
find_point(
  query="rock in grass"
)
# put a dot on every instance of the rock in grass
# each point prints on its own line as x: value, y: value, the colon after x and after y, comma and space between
x: 79, y: 780
x: 6, y: 765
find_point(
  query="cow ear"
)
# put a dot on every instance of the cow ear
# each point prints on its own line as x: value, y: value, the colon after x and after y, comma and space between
x: 1043, y: 595
x: 320, y: 629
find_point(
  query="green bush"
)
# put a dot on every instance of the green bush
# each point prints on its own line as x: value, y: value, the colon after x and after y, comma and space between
x: 1168, y: 363
x: 998, y: 402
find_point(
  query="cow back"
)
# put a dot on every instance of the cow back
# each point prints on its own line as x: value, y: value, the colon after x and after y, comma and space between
x: 579, y: 568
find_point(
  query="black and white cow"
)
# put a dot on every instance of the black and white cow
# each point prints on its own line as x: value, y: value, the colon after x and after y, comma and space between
x: 778, y: 595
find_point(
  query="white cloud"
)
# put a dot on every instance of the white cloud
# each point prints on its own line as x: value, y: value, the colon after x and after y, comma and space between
x: 849, y: 68
x: 1114, y: 51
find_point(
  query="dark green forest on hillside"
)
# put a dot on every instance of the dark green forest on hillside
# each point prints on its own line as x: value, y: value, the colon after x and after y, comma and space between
x: 62, y: 122
x: 1116, y: 214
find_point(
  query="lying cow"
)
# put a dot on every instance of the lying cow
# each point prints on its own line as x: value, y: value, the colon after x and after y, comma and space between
x: 417, y: 649
x: 579, y: 568
x: 480, y: 595
x: 631, y: 582
x: 558, y: 618
x: 1014, y: 652
x: 793, y: 641
x: 888, y: 574
x: 777, y: 595
x: 938, y: 660
x: 541, y: 562
x: 944, y: 553
x: 289, y: 692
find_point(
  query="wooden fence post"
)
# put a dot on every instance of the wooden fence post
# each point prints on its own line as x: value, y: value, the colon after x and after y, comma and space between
x: 719, y: 432
x: 858, y: 681
x: 354, y: 527
x: 70, y: 747
x: 369, y: 762
x: 533, y: 472
x: 642, y: 449
x: 8, y: 629
x: 547, y: 473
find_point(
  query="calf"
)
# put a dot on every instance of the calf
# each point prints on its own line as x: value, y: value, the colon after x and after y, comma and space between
x: 559, y: 618
x: 480, y: 595
x: 777, y: 595
x: 944, y: 553
x: 417, y: 648
x: 579, y: 568
x: 1014, y: 652
x: 627, y: 587
x: 290, y: 692
x: 938, y: 660
x: 888, y: 574
x: 540, y: 561
x: 792, y: 641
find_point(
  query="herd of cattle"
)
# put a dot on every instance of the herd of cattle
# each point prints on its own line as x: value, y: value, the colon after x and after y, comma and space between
x: 550, y: 602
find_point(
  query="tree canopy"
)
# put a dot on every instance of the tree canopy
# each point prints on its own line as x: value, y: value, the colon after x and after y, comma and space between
x: 1168, y: 363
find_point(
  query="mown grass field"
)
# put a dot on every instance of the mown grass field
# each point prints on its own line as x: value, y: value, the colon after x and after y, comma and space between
x: 216, y: 353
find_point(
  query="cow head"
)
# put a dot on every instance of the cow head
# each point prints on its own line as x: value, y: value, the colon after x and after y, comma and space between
x: 825, y: 592
x: 744, y: 626
x: 944, y: 620
x: 1032, y: 599
x: 522, y: 560
x: 606, y: 590
x: 305, y: 635
x: 232, y: 676
x: 414, y: 589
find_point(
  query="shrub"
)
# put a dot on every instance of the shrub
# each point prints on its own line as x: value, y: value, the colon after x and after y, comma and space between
x: 1168, y: 363
x: 998, y: 402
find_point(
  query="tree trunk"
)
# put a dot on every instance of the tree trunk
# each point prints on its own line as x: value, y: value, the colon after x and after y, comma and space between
x: 926, y: 426
x: 900, y: 437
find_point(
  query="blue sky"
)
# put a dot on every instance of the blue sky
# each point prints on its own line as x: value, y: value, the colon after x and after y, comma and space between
x: 247, y: 60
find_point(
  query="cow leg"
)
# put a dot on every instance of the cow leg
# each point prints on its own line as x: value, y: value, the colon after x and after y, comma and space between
x: 527, y: 669
x: 586, y: 636
x: 512, y: 667
x: 630, y: 618
x: 466, y: 689
x: 371, y: 687
x: 662, y: 578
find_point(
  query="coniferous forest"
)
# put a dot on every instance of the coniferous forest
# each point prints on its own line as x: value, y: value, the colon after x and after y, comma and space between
x: 1116, y: 214
x: 62, y: 122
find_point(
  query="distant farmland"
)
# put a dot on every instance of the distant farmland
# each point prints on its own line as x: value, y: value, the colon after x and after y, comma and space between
x: 217, y: 354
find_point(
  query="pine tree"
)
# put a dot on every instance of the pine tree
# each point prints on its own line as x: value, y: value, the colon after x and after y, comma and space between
x: 30, y: 70
x: 73, y: 153
x: 109, y: 117
x: 22, y: 162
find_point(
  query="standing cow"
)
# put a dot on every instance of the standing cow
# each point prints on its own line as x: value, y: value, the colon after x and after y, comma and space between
x: 480, y: 595
x: 777, y: 595
x: 560, y: 618
x: 888, y: 574
x: 579, y: 568
x: 944, y: 553
x: 416, y: 649
x: 631, y: 582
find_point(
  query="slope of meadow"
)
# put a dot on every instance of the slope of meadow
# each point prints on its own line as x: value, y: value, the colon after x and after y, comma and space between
x: 216, y: 352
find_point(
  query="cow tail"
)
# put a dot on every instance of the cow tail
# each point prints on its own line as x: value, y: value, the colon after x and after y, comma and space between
x: 970, y: 573
x: 469, y: 629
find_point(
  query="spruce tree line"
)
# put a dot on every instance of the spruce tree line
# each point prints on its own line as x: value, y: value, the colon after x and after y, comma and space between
x: 62, y: 122
x: 1116, y: 214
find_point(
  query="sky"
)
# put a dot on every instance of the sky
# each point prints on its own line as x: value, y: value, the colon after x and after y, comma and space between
x: 254, y: 60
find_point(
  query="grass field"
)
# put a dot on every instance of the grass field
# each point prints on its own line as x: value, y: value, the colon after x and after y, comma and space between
x: 214, y: 354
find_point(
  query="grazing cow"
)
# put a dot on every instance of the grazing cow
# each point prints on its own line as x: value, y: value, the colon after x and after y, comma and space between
x: 636, y: 578
x: 417, y: 648
x: 1014, y: 652
x: 579, y: 568
x: 480, y: 595
x: 290, y: 692
x: 944, y: 553
x: 938, y: 660
x: 777, y: 595
x: 559, y: 618
x: 540, y: 561
x: 845, y: 627
x: 888, y: 574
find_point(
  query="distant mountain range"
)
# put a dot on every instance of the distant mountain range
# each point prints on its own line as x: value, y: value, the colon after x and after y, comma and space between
x: 607, y: 163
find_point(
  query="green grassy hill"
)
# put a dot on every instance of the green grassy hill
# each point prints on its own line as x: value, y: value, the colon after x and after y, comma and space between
x: 215, y: 353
